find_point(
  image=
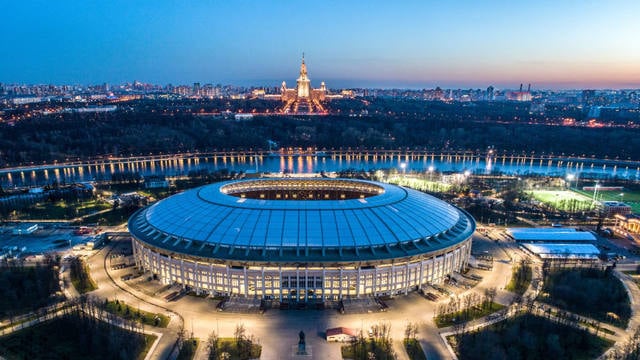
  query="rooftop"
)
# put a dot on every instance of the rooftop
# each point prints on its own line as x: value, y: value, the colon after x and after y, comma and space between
x: 377, y: 221
x: 550, y: 234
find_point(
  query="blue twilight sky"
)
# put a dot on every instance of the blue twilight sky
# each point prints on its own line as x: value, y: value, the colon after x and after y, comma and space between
x: 551, y: 44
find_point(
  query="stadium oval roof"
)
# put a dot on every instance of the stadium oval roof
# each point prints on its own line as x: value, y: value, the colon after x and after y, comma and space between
x: 390, y: 221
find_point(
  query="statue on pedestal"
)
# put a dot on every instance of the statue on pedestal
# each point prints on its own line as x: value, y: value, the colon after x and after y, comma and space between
x: 301, y: 344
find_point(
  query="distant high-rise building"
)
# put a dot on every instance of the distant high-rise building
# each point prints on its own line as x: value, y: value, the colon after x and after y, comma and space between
x: 196, y: 88
x: 521, y: 95
x: 491, y: 93
x: 303, y: 99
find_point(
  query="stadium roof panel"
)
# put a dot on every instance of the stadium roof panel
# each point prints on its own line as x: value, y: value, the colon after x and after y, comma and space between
x: 388, y: 216
x: 550, y: 234
x: 568, y: 251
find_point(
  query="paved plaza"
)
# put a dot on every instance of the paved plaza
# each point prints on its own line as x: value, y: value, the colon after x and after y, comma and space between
x: 277, y: 330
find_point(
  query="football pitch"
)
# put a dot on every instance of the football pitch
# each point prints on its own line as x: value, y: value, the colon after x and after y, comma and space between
x: 630, y: 197
x: 554, y: 197
x: 582, y: 200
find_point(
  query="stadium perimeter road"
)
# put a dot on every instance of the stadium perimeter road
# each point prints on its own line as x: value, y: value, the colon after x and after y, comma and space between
x: 277, y: 331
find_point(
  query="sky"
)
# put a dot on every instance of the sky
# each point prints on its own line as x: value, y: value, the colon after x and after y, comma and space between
x: 415, y: 44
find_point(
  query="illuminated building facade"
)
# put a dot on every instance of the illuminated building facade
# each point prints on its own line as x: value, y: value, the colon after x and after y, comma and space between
x: 301, y: 240
x: 303, y: 98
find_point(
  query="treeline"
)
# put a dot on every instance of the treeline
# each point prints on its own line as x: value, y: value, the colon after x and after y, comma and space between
x: 27, y: 288
x: 529, y: 337
x: 595, y: 293
x: 379, y: 345
x: 155, y: 127
x: 78, y: 334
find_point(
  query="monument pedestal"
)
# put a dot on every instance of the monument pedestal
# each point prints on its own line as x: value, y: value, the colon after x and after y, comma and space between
x: 296, y: 354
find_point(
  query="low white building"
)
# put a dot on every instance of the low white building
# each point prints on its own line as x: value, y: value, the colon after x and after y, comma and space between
x: 553, y: 234
x: 341, y: 334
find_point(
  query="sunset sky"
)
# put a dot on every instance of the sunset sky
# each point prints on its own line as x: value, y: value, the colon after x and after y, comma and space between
x: 416, y: 44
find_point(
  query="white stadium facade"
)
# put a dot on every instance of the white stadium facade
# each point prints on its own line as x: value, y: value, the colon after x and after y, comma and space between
x: 301, y: 239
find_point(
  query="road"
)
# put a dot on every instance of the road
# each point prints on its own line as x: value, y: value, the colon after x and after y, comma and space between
x: 278, y: 330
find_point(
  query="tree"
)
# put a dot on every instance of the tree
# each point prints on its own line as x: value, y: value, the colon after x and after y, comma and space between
x: 181, y: 336
x: 213, y: 346
x: 239, y: 334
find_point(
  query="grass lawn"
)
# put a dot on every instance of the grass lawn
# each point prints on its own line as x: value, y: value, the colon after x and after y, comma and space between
x: 368, y: 346
x: 528, y: 337
x: 188, y: 350
x: 81, y: 277
x: 475, y: 312
x: 566, y: 200
x: 121, y: 309
x: 414, y: 349
x: 520, y: 279
x: 63, y: 210
x: 589, y: 292
x: 631, y: 197
x: 419, y: 184
x: 74, y: 338
x: 229, y: 345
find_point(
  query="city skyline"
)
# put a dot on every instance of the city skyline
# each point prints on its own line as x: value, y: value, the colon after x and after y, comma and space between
x: 417, y: 45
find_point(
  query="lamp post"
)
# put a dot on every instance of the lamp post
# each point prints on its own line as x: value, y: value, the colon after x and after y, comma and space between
x: 403, y: 166
x: 570, y: 178
x: 595, y: 192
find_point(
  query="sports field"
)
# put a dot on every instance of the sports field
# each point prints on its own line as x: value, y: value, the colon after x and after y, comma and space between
x: 630, y: 197
x: 565, y: 200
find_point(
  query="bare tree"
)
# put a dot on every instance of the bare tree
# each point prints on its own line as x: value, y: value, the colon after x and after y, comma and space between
x: 239, y: 333
x: 213, y: 346
x: 181, y: 336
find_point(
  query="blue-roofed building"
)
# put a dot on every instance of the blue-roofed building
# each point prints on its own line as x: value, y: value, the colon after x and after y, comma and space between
x: 301, y: 239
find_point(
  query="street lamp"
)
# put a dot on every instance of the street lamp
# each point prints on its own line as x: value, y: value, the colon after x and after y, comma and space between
x: 570, y: 178
x: 595, y: 192
x: 403, y: 166
x: 430, y: 170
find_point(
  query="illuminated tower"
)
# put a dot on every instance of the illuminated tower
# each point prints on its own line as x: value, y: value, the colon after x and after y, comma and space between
x: 303, y: 99
x: 304, y: 83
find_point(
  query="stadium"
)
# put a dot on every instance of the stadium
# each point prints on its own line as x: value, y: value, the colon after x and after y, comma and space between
x: 300, y: 239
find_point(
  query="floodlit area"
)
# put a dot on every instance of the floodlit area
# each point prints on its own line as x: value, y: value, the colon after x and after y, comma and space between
x: 566, y: 200
x: 47, y: 238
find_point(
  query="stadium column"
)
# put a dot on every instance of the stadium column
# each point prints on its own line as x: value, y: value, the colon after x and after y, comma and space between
x: 306, y: 284
x: 136, y: 253
x: 182, y: 277
x: 407, y: 278
x: 433, y: 268
x: 246, y: 287
x: 196, y: 278
x: 263, y: 286
x: 340, y: 284
x: 324, y: 278
x: 158, y: 269
x: 375, y: 282
x: 358, y: 283
x: 210, y: 281
x: 391, y: 279
x: 421, y: 272
x: 228, y: 282
x: 297, y: 284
